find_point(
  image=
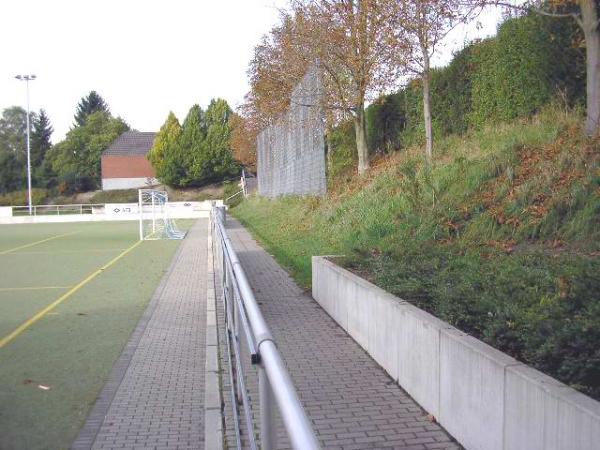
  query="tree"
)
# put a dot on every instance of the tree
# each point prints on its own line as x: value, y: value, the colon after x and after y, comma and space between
x: 40, y: 145
x: 197, y: 152
x: 13, y: 131
x: 165, y: 154
x: 89, y: 104
x: 424, y: 24
x: 586, y: 15
x: 242, y: 141
x: 218, y: 161
x: 76, y: 159
x: 192, y: 142
x: 13, y: 154
x: 11, y: 172
x: 279, y: 63
x: 358, y: 47
x: 355, y: 47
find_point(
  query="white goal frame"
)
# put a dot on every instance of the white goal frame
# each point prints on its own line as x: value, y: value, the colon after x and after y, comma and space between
x: 154, y: 222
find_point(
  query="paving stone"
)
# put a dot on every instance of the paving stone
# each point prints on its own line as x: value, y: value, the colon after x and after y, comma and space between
x: 155, y: 394
x: 350, y: 399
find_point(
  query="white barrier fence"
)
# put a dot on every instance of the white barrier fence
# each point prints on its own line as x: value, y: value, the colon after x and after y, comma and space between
x: 99, y: 212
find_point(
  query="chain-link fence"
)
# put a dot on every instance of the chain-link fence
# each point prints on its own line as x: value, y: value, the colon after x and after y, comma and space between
x: 291, y: 153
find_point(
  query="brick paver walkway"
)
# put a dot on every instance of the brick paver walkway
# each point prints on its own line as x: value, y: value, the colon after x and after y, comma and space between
x: 352, y: 402
x: 155, y: 396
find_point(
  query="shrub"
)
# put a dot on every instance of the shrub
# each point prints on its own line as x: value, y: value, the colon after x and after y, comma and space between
x: 532, y: 60
x: 386, y: 119
x: 341, y: 149
x: 116, y: 196
x: 21, y: 198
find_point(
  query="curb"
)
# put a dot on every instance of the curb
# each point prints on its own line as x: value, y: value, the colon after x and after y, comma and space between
x: 213, y: 411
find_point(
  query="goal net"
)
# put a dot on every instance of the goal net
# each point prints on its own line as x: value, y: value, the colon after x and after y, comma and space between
x: 155, y: 222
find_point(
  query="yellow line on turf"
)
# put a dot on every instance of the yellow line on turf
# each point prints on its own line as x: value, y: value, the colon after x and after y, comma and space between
x: 37, y: 242
x: 91, y: 250
x: 8, y: 338
x: 32, y: 288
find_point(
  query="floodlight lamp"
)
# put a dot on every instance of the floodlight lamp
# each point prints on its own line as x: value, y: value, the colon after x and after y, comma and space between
x: 19, y: 77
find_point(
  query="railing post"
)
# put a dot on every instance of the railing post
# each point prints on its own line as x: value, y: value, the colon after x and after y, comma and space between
x: 221, y: 213
x: 236, y: 335
x: 268, y: 429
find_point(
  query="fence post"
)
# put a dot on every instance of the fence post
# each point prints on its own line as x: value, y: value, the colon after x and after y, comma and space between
x: 268, y: 429
x: 221, y: 214
x: 236, y: 335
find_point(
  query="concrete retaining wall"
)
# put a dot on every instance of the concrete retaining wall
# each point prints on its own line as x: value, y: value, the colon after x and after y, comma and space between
x: 483, y: 397
x: 117, y: 211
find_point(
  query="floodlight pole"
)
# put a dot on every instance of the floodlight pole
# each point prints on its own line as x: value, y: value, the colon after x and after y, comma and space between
x: 141, y: 211
x: 28, y: 78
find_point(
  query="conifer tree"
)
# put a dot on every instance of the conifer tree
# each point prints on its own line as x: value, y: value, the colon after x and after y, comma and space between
x: 41, y: 134
x: 165, y: 154
x: 89, y: 104
x: 219, y: 155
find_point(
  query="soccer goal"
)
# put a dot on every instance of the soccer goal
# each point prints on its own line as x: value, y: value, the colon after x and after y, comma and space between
x: 155, y: 222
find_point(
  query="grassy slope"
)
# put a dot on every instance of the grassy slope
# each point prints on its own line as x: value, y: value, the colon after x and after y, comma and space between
x: 500, y: 237
x: 72, y: 349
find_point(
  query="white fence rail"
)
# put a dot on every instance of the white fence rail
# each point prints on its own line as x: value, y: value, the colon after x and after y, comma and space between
x: 97, y: 212
x: 57, y: 210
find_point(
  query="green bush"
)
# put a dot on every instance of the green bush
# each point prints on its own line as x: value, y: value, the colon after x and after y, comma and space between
x: 541, y: 310
x: 531, y: 61
x: 341, y: 149
x: 386, y: 119
x: 116, y: 196
x: 21, y: 198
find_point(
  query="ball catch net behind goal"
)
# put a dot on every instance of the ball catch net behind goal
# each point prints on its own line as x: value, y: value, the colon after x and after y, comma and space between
x: 155, y: 222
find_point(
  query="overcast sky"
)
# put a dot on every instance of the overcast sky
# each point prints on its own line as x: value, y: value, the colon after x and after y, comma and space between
x: 145, y: 57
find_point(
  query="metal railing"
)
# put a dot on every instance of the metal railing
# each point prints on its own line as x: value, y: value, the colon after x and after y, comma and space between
x: 234, y: 195
x: 275, y: 385
x: 248, y: 182
x: 58, y: 210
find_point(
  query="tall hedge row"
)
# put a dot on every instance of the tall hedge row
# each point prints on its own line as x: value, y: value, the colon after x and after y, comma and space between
x: 530, y: 61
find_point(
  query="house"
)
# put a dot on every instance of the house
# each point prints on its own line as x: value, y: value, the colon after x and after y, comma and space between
x: 125, y: 164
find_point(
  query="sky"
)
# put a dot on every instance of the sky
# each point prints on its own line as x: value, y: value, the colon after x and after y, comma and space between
x: 144, y: 57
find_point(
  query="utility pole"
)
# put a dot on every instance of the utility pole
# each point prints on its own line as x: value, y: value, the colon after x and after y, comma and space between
x: 27, y: 79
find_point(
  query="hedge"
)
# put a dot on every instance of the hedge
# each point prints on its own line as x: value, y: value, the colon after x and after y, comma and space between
x: 532, y: 60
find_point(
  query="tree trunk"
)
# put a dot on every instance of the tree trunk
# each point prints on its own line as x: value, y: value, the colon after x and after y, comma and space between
x: 427, y: 107
x: 589, y: 23
x: 329, y: 146
x: 361, y: 140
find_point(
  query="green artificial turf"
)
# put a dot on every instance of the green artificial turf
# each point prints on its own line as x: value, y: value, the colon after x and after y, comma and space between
x: 73, y: 347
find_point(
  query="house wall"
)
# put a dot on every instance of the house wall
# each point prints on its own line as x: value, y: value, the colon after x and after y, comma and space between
x: 109, y: 184
x: 126, y: 172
